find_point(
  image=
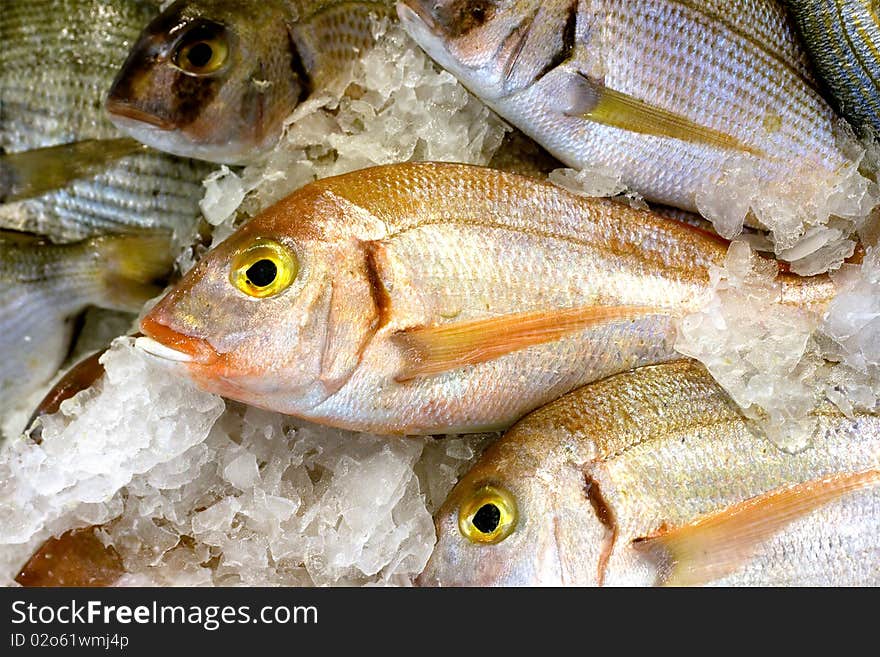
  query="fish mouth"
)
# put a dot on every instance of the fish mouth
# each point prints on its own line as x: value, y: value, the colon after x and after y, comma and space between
x: 414, y: 12
x: 121, y: 109
x: 164, y: 342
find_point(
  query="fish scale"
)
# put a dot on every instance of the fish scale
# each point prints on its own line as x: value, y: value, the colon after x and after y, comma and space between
x: 58, y: 60
x: 658, y: 449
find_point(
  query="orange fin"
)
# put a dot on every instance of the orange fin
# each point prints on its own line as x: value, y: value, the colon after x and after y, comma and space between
x: 436, y: 349
x: 594, y: 101
x: 719, y: 543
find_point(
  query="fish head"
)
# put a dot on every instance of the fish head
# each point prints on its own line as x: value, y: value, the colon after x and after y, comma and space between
x: 520, y: 517
x: 494, y: 47
x: 210, y: 79
x: 254, y: 320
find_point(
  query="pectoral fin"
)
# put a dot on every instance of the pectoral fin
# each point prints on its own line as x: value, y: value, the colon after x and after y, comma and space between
x: 31, y: 173
x: 594, y: 101
x: 717, y: 544
x: 436, y: 349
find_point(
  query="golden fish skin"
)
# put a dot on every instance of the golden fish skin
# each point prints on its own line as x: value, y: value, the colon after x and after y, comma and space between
x: 216, y: 79
x: 670, y: 93
x: 842, y: 37
x: 594, y: 474
x: 45, y: 286
x: 430, y: 298
x: 57, y: 61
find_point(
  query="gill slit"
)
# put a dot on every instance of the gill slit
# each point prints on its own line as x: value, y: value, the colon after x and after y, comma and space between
x: 606, y: 516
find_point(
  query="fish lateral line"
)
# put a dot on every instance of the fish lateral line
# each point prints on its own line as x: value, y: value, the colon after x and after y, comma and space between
x: 431, y: 350
x: 716, y: 544
x: 593, y: 101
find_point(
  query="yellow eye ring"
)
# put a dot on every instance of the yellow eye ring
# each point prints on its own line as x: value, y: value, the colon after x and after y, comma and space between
x: 204, y: 50
x: 264, y: 269
x: 488, y: 516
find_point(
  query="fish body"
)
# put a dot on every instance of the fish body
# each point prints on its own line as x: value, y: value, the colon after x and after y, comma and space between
x: 430, y: 298
x: 45, y: 286
x: 655, y: 477
x: 842, y: 37
x: 57, y: 62
x: 669, y: 93
x: 216, y: 79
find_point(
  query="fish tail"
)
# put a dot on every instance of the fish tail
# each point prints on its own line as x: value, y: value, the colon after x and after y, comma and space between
x: 132, y: 269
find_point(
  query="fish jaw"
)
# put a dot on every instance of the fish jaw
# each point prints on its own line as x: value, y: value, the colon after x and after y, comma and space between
x: 164, y: 342
x: 161, y: 133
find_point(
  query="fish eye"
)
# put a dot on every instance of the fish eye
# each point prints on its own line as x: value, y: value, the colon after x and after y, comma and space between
x: 202, y: 50
x: 264, y: 269
x: 488, y: 516
x: 475, y: 12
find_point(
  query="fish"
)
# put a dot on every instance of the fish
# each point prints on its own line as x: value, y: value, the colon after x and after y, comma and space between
x: 425, y: 298
x: 46, y: 286
x: 217, y: 79
x: 669, y: 94
x: 76, y: 558
x: 842, y: 37
x: 65, y: 171
x: 654, y: 477
x: 82, y: 376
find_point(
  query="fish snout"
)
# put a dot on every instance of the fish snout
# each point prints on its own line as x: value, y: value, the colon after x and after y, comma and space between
x: 122, y: 112
x: 165, y: 342
x: 415, y: 14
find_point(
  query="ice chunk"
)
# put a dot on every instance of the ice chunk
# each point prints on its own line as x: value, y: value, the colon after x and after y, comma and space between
x: 224, y: 192
x: 756, y: 347
x: 597, y: 181
x: 812, y: 214
x: 242, y: 472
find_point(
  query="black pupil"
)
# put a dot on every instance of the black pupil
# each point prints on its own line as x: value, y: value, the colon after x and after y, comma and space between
x: 479, y: 13
x: 200, y: 54
x: 486, y: 518
x: 262, y: 273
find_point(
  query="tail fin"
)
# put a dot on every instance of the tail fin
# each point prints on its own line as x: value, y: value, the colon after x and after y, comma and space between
x: 134, y: 268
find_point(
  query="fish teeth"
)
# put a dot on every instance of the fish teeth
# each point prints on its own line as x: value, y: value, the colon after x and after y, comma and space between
x: 161, y: 351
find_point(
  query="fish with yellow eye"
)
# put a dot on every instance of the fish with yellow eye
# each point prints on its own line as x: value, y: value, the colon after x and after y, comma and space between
x: 654, y: 477
x: 671, y: 95
x: 216, y: 79
x: 432, y: 298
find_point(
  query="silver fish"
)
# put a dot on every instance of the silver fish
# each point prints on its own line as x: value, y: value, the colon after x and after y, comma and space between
x: 670, y: 93
x: 654, y: 476
x: 842, y: 37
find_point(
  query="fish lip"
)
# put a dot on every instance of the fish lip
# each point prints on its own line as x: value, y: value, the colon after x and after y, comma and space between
x: 413, y: 11
x: 164, y: 342
x: 124, y: 110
